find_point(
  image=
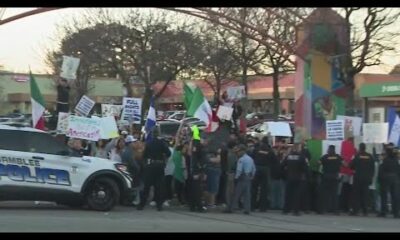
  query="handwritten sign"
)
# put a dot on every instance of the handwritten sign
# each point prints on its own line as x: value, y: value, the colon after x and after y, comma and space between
x: 279, y: 129
x: 352, y: 125
x: 335, y: 130
x: 225, y: 112
x: 132, y: 109
x: 236, y: 93
x: 84, y: 128
x: 375, y: 132
x: 111, y: 110
x: 62, y: 123
x: 69, y: 67
x: 108, y: 128
x: 84, y: 106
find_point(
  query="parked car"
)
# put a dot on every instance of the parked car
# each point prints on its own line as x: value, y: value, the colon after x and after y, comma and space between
x: 178, y: 116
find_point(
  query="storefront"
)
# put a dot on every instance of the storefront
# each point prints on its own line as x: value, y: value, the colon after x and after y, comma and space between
x: 378, y: 97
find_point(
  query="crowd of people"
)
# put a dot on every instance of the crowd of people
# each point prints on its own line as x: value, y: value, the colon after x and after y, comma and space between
x: 249, y: 174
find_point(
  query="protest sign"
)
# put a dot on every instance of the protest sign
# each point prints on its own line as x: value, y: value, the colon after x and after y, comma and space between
x: 84, y: 106
x: 352, y: 125
x: 236, y: 93
x: 84, y: 128
x: 279, y: 129
x: 375, y: 132
x: 62, y: 123
x: 224, y: 112
x: 69, y: 67
x: 335, y: 130
x: 132, y: 109
x: 108, y: 128
x: 111, y: 110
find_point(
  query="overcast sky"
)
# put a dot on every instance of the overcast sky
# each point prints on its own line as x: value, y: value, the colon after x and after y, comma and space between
x: 22, y: 42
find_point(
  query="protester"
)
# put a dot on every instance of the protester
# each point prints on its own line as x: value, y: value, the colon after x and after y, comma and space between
x: 277, y: 186
x: 115, y: 154
x: 230, y: 174
x: 245, y: 172
x: 346, y: 181
x: 306, y: 184
x: 213, y: 172
x: 179, y: 174
x: 100, y: 150
x: 169, y: 177
x: 76, y: 147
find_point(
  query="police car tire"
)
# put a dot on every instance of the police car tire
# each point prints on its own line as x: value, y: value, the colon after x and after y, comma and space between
x: 111, y: 190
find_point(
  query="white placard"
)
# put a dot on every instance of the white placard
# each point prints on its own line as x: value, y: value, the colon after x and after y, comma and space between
x: 352, y: 124
x: 84, y: 128
x: 111, y: 110
x: 62, y: 123
x: 335, y: 130
x: 279, y: 129
x: 84, y: 106
x: 236, y: 93
x: 132, y: 109
x: 108, y: 128
x: 69, y: 67
x: 375, y: 132
x: 224, y: 112
x: 327, y: 143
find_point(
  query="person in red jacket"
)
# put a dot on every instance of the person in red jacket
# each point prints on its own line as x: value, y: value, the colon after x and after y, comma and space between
x: 348, y: 152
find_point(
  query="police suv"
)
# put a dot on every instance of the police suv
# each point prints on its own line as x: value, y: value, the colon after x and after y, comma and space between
x: 36, y: 166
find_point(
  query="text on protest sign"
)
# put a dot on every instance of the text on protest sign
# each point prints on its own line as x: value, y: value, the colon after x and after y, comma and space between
x: 236, y: 93
x: 69, y: 67
x: 352, y: 125
x: 132, y: 109
x: 111, y: 110
x: 225, y: 112
x: 84, y: 128
x: 375, y: 132
x: 84, y: 106
x: 62, y: 123
x: 335, y: 130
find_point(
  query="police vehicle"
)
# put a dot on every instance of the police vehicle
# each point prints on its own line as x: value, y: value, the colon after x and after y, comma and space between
x: 34, y: 166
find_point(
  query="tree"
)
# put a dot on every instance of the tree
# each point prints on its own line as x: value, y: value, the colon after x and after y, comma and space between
x: 395, y: 70
x: 219, y: 63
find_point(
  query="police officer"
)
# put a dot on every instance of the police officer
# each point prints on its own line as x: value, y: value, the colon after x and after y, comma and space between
x: 331, y: 163
x: 364, y: 166
x: 155, y: 154
x: 388, y: 178
x: 294, y: 167
x: 263, y: 157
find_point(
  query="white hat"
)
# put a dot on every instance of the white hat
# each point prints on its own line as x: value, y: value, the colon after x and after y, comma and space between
x: 124, y: 133
x: 130, y: 139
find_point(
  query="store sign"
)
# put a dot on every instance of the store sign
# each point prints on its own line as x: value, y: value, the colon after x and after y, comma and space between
x: 378, y: 90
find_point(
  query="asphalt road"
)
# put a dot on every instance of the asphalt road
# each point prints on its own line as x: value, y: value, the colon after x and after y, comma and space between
x: 47, y: 217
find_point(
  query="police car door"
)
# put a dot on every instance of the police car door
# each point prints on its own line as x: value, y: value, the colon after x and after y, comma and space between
x: 57, y: 168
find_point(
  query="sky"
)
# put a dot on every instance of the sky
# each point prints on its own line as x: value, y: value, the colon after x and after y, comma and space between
x: 23, y: 42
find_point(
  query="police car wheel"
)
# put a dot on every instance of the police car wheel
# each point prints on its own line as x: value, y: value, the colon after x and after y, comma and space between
x: 102, y: 194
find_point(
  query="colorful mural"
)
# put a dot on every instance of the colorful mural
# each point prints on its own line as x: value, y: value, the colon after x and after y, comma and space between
x: 323, y: 39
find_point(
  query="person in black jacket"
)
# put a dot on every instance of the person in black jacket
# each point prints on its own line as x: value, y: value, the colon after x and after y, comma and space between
x: 295, y: 167
x: 263, y: 158
x: 364, y: 166
x: 155, y: 155
x: 196, y: 174
x: 331, y: 163
x: 388, y: 178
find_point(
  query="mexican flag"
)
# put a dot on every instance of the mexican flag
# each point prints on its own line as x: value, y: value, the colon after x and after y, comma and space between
x: 188, y: 94
x: 200, y: 108
x: 37, y: 105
